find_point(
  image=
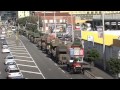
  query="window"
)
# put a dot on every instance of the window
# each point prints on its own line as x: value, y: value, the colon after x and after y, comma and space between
x: 55, y: 21
x: 46, y: 21
x: 50, y: 21
x: 61, y: 20
x: 64, y: 20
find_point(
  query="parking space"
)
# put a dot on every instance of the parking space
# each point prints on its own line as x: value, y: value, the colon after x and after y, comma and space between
x: 31, y: 76
x: 24, y: 60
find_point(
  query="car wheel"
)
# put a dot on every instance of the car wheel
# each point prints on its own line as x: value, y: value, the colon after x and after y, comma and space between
x: 6, y: 70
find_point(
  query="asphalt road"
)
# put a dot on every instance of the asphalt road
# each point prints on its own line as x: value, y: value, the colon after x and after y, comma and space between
x: 3, y: 74
x: 47, y: 66
x: 33, y: 63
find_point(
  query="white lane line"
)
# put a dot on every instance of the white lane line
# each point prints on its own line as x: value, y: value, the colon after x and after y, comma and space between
x: 17, y: 47
x: 63, y: 71
x: 26, y: 65
x: 19, y: 53
x: 23, y: 60
x: 14, y: 45
x: 50, y: 59
x: 55, y: 64
x: 17, y: 50
x: 33, y: 60
x: 30, y: 72
x: 21, y: 56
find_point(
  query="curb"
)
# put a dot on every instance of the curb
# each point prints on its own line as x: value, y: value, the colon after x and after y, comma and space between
x: 91, y: 75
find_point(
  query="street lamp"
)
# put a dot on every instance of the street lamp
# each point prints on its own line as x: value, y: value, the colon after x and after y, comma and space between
x: 104, y: 58
x: 72, y: 28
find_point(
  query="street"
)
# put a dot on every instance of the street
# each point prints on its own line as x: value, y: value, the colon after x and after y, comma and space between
x: 33, y: 63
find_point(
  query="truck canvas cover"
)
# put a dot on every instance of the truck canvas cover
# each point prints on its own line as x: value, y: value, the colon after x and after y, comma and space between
x: 62, y: 48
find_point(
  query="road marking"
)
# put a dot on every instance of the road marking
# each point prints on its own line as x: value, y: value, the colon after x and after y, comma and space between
x: 18, y: 53
x: 33, y: 59
x: 14, y: 45
x: 26, y: 65
x: 59, y: 68
x: 30, y: 72
x: 50, y: 59
x: 17, y: 47
x: 23, y: 60
x: 17, y: 50
x: 55, y: 64
x: 63, y: 71
x: 21, y: 56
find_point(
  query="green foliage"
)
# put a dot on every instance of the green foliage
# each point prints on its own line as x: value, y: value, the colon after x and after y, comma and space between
x: 114, y: 65
x: 92, y: 55
x: 30, y: 22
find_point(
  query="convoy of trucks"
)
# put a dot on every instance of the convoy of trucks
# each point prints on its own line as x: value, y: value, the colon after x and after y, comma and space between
x: 70, y: 54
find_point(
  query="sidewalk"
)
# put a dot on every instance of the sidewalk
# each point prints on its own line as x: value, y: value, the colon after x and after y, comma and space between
x: 96, y: 72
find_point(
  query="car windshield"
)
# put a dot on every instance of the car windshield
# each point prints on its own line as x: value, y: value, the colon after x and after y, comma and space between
x: 9, y: 57
x: 13, y: 71
x: 11, y: 63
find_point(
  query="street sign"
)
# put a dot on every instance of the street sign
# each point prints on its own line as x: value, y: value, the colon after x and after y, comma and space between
x: 100, y: 31
x: 82, y: 52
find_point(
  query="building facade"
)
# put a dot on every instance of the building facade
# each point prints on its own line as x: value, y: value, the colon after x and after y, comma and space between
x: 22, y: 14
x: 49, y: 18
x: 87, y: 15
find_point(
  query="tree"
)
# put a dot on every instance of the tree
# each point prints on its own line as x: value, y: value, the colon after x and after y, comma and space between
x: 114, y: 66
x: 30, y: 22
x: 92, y: 55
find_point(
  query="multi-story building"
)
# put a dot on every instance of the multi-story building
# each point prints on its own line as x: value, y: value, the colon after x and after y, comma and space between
x: 49, y: 18
x: 22, y: 14
x: 5, y: 15
x: 87, y: 15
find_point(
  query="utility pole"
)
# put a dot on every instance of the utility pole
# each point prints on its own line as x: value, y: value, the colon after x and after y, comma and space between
x: 38, y: 23
x: 104, y: 57
x: 55, y: 23
x: 72, y: 28
x: 44, y: 22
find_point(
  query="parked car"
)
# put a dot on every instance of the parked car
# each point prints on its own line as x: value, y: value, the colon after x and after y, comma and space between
x: 16, y: 77
x: 11, y: 67
x: 9, y: 59
x: 13, y: 72
x: 5, y: 50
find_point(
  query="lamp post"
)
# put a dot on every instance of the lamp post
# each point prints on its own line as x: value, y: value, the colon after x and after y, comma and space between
x: 72, y: 28
x: 103, y: 23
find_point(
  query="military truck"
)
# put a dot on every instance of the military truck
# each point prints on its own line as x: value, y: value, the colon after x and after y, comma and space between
x: 36, y: 37
x: 75, y: 64
x: 42, y: 44
x: 62, y: 54
x: 48, y: 43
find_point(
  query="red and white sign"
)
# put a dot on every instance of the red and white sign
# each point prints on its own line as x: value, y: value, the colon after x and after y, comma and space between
x: 77, y: 27
x: 100, y: 31
x: 82, y: 52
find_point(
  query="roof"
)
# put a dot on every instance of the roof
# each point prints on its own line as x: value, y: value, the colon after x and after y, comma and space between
x: 52, y: 14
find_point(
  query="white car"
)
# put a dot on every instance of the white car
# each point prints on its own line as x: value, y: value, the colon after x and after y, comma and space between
x: 11, y: 67
x: 5, y: 50
x: 9, y: 59
x: 5, y: 46
x: 2, y: 36
x: 3, y: 32
x: 13, y: 28
x: 13, y: 71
